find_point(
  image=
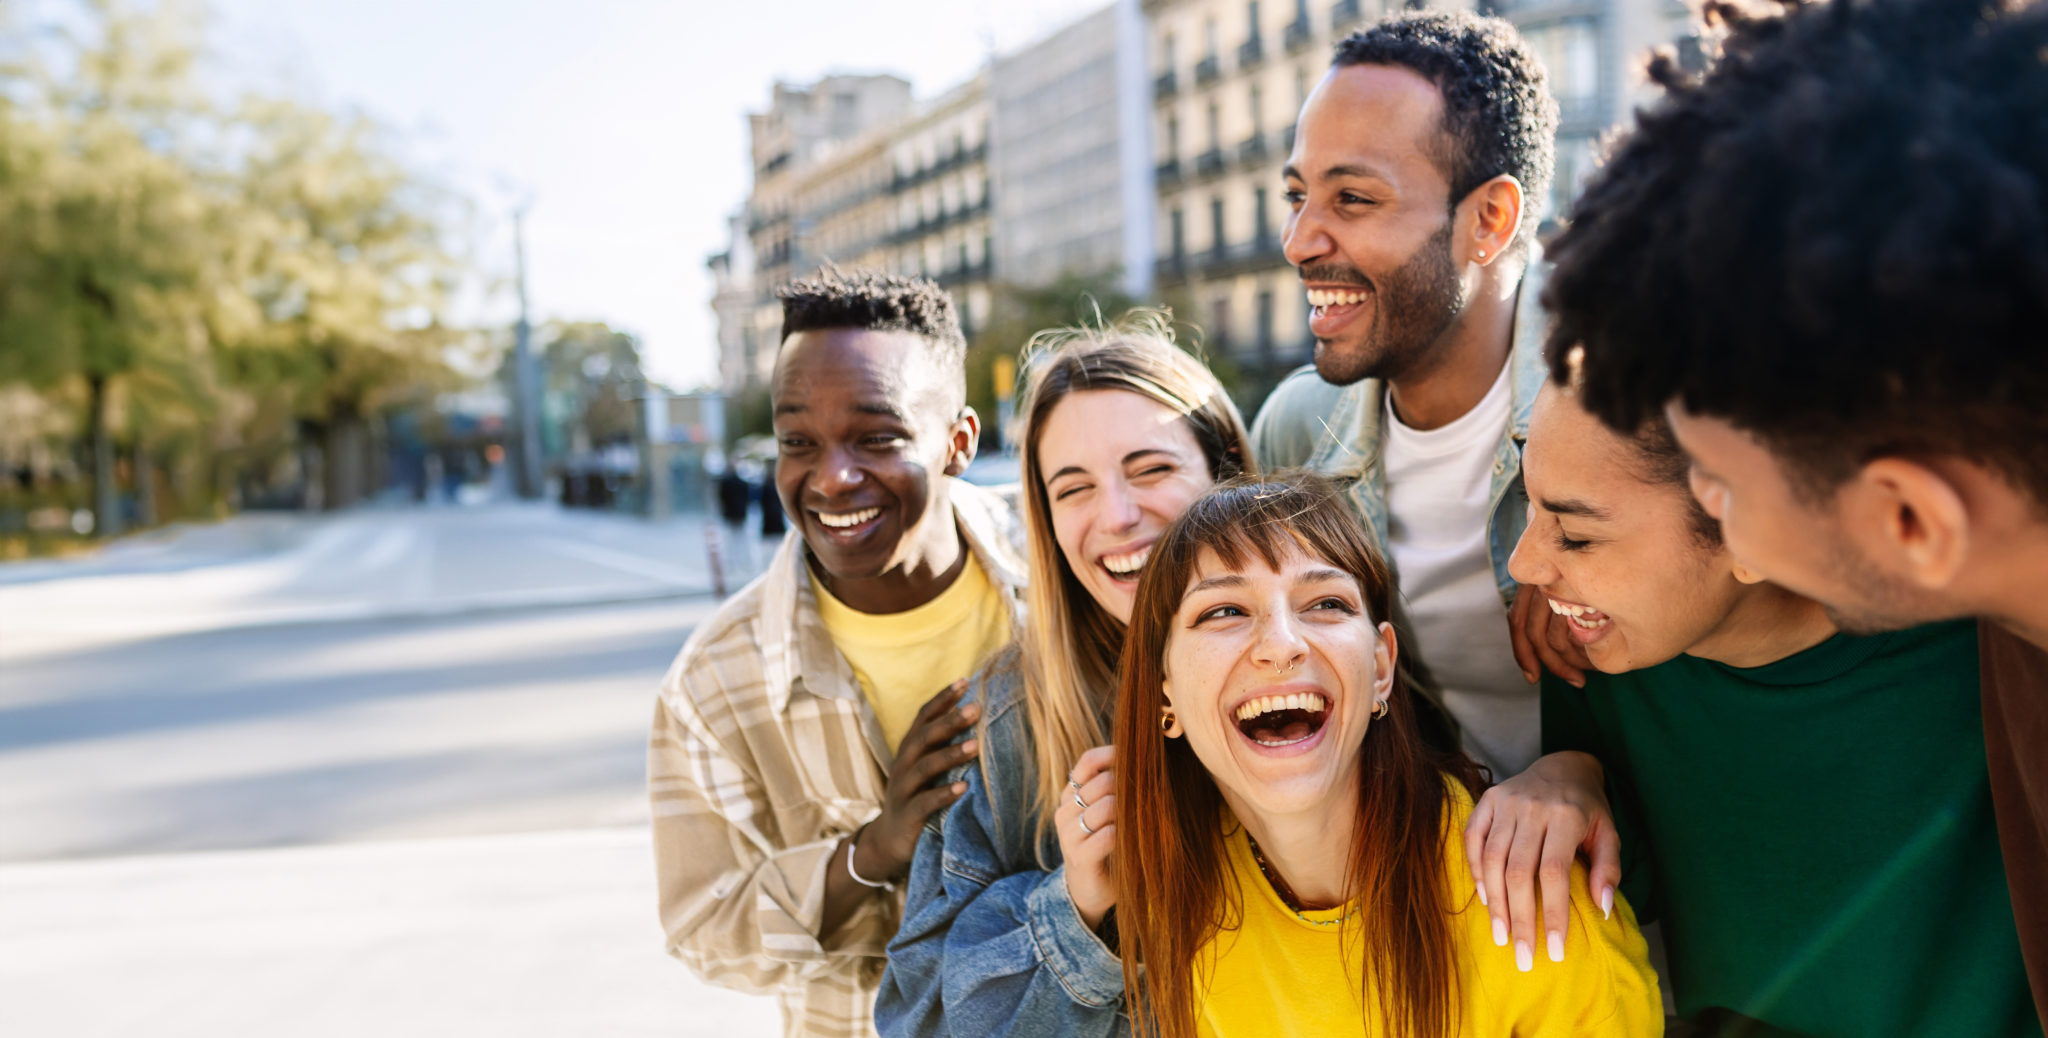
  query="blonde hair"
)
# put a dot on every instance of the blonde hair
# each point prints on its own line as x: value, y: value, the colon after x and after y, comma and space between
x: 1071, y: 645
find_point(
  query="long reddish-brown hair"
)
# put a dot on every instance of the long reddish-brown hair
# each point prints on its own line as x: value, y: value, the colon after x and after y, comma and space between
x: 1174, y: 892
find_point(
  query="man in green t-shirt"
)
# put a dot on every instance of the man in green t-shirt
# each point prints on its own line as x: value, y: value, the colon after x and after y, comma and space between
x: 1805, y: 812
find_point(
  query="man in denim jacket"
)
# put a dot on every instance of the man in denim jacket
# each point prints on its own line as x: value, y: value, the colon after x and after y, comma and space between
x: 1419, y: 165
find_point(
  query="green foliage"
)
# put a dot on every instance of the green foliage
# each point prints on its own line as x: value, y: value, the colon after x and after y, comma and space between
x: 222, y: 281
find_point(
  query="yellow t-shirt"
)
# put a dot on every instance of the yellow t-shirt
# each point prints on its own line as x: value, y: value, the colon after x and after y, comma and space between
x: 1279, y: 975
x: 903, y: 659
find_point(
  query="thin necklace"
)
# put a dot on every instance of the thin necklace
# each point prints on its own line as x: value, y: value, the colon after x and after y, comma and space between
x: 1286, y: 892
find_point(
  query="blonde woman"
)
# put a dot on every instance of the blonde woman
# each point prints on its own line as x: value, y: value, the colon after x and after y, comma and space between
x: 1008, y: 925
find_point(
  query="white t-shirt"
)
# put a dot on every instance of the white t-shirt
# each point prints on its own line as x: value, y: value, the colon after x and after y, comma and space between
x: 1437, y: 488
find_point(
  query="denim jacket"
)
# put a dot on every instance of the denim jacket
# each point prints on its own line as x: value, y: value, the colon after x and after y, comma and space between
x: 1337, y: 430
x: 991, y: 945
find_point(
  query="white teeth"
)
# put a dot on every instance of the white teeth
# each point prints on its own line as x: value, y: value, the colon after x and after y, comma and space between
x: 840, y: 522
x: 1127, y: 564
x: 1324, y: 297
x: 1568, y: 610
x: 1274, y: 704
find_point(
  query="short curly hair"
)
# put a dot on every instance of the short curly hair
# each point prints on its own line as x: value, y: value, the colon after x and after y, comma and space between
x: 1836, y: 239
x: 866, y: 299
x: 1498, y: 115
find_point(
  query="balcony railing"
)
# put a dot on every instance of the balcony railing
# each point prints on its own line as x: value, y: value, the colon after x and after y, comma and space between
x: 1250, y: 53
x: 1165, y: 85
x: 1209, y: 163
x: 1208, y: 70
x: 1298, y: 35
x: 1167, y: 173
x: 1252, y: 150
x: 1344, y: 13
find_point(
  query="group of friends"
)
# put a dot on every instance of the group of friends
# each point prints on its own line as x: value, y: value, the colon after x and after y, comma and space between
x: 1642, y: 632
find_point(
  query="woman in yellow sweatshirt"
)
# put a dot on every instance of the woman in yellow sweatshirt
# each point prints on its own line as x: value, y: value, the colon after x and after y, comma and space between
x: 1288, y: 855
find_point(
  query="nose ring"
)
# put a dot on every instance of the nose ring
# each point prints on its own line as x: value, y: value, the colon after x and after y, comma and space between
x: 1278, y: 669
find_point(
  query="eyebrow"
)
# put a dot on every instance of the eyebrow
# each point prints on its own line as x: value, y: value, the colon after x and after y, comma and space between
x: 1572, y: 506
x: 1334, y: 172
x: 1127, y: 459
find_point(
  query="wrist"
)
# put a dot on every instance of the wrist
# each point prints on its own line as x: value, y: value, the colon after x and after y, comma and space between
x: 865, y: 865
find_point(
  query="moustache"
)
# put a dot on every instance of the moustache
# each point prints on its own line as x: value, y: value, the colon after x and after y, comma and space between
x: 1332, y: 274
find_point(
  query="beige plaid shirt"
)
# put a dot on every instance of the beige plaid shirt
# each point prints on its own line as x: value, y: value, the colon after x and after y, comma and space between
x: 764, y: 756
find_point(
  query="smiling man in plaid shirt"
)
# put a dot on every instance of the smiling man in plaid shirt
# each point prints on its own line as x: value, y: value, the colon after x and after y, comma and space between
x: 798, y: 744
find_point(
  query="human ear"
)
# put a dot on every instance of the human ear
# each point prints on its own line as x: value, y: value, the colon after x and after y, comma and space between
x: 1496, y: 208
x: 1384, y: 652
x: 1744, y: 574
x: 963, y: 437
x: 1913, y: 518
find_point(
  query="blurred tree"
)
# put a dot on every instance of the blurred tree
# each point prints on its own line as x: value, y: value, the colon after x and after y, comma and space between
x: 590, y: 375
x: 102, y: 214
x: 1074, y: 299
x: 344, y: 268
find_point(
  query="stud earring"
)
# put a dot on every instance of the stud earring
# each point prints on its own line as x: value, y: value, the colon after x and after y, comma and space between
x: 1482, y: 253
x: 1169, y: 725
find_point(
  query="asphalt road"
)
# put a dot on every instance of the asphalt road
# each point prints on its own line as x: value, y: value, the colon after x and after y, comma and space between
x: 263, y: 737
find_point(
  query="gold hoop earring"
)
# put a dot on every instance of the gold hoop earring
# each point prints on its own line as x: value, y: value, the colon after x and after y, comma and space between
x: 1169, y: 725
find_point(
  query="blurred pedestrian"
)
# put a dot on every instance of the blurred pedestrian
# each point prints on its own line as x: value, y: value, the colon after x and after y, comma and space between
x: 1825, y: 260
x: 773, y: 523
x: 735, y: 501
x: 783, y: 821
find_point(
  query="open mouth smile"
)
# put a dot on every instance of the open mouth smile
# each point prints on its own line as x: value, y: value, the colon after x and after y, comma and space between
x: 847, y: 526
x: 1126, y: 566
x: 1331, y: 308
x: 1587, y: 623
x: 1283, y: 720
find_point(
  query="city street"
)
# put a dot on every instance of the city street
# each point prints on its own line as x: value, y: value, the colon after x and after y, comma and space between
x: 373, y: 773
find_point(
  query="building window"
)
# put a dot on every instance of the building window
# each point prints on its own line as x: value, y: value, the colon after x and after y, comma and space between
x: 1209, y: 38
x: 1258, y: 119
x: 1173, y: 136
x: 1261, y: 230
x: 1217, y: 241
x: 1177, y: 222
x: 1219, y: 324
x: 1251, y: 14
x: 1215, y: 128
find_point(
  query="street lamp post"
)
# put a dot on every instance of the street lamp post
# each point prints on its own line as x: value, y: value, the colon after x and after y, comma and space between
x: 525, y: 376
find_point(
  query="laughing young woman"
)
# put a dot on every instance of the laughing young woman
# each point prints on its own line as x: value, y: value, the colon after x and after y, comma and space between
x: 1007, y: 925
x: 1289, y: 859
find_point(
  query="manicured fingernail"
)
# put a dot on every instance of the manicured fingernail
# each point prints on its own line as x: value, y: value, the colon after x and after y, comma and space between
x: 970, y: 746
x: 1606, y: 902
x: 970, y: 711
x: 1500, y: 933
x: 1482, y: 894
x: 1556, y: 946
x: 1525, y: 957
x: 959, y: 787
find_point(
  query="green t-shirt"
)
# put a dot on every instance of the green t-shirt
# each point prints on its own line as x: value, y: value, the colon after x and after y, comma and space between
x: 1814, y: 835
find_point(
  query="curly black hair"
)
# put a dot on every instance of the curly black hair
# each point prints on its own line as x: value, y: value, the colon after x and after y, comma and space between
x: 866, y: 299
x: 1835, y: 239
x: 1498, y: 115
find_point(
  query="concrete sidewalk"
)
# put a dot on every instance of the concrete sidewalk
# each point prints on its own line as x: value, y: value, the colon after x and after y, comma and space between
x: 509, y: 936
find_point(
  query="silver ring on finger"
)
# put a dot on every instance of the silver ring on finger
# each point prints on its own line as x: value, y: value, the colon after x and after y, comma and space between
x: 1082, y: 821
x: 1078, y: 802
x: 1073, y: 785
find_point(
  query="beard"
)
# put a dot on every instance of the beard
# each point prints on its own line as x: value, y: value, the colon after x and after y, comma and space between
x: 1411, y: 308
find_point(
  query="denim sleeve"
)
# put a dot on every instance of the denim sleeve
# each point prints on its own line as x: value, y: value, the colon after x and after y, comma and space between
x: 991, y: 945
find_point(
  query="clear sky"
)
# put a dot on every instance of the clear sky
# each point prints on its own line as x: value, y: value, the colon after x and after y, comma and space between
x: 622, y: 121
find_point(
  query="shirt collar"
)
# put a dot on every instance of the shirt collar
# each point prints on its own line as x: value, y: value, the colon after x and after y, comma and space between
x: 794, y: 643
